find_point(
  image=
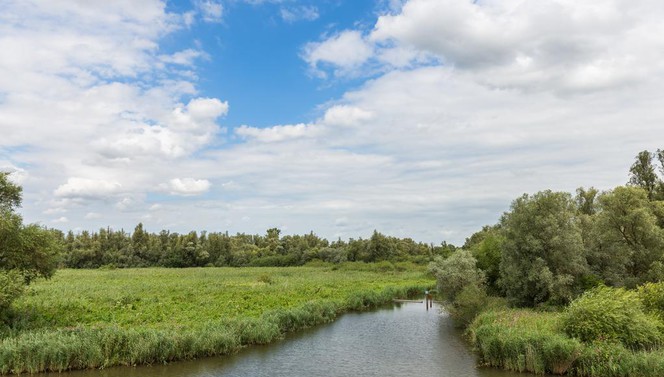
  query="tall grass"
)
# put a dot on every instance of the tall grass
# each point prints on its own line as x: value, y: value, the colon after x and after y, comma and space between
x: 528, y: 341
x: 99, y: 344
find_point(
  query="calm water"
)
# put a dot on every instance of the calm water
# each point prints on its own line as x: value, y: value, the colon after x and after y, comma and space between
x: 405, y: 340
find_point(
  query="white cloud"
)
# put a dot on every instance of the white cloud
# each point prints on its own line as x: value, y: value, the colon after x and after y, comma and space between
x: 556, y: 45
x: 278, y: 133
x: 211, y: 10
x: 184, y: 57
x: 16, y: 174
x: 469, y: 105
x: 77, y: 187
x: 345, y: 116
x: 299, y: 13
x: 347, y: 50
x: 187, y: 186
x: 60, y: 220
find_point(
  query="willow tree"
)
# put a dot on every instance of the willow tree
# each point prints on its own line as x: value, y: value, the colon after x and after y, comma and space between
x: 26, y: 251
x: 542, y: 258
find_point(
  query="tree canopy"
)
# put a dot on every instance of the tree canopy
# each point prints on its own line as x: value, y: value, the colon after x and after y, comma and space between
x: 26, y: 251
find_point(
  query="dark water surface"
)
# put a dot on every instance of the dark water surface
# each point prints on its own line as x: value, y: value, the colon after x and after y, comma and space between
x: 404, y: 340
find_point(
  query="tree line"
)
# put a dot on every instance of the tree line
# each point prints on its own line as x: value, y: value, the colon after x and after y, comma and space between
x: 552, y: 246
x: 110, y: 248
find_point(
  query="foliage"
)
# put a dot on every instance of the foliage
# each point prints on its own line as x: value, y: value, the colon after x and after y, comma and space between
x: 614, y: 315
x: 627, y: 242
x: 643, y: 174
x: 26, y: 252
x: 525, y: 340
x: 455, y: 273
x: 542, y: 256
x: 99, y: 318
x: 487, y: 250
x: 652, y: 297
x: 11, y: 287
x: 169, y: 249
x: 468, y: 304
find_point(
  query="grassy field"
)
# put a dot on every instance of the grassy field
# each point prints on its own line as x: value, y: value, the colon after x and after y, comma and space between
x: 97, y: 318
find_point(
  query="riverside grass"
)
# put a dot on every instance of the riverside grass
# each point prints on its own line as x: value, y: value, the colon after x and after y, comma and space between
x: 528, y: 341
x: 99, y: 318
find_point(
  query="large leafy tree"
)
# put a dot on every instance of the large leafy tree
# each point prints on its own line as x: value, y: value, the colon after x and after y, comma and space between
x: 628, y: 244
x: 26, y: 251
x: 542, y: 258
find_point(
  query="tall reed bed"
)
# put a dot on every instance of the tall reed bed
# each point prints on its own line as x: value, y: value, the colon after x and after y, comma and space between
x: 528, y: 341
x: 102, y: 344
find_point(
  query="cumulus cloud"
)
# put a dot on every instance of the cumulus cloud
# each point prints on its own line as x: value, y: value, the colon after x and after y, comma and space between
x: 347, y: 51
x: 459, y: 118
x: 187, y: 186
x: 77, y: 187
x: 552, y: 45
x: 346, y: 116
x: 278, y: 133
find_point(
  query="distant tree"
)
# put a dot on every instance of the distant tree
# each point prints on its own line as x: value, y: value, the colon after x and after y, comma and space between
x: 644, y: 175
x: 26, y: 251
x: 542, y: 257
x: 586, y: 200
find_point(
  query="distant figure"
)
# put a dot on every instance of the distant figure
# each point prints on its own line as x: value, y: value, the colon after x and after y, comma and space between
x: 428, y: 299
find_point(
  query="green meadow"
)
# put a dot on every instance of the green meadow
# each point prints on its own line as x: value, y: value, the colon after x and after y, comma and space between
x: 97, y: 318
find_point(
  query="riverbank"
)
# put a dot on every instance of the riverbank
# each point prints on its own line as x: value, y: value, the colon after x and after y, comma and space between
x: 96, y: 319
x: 524, y: 340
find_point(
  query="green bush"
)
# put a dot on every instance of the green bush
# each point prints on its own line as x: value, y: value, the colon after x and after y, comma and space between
x: 612, y: 314
x: 468, y: 303
x: 652, y: 297
x: 11, y: 287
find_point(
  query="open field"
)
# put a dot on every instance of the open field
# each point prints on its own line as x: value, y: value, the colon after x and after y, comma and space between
x: 97, y: 318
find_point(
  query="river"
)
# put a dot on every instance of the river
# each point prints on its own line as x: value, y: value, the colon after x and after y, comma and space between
x: 404, y: 340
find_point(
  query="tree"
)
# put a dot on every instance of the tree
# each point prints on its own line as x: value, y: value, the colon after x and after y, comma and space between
x: 26, y: 252
x: 629, y: 245
x: 585, y: 200
x: 643, y: 174
x: 456, y: 272
x: 486, y: 247
x: 542, y: 258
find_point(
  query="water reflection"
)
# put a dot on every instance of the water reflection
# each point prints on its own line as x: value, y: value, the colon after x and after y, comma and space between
x: 405, y: 340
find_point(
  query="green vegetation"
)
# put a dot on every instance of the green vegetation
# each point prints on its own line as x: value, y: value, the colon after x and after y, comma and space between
x: 112, y: 248
x: 98, y: 318
x: 26, y: 251
x: 589, y: 269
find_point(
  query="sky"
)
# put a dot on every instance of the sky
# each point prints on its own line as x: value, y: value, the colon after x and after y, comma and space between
x: 416, y: 118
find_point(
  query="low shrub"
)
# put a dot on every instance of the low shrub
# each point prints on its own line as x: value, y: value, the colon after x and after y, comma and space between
x: 652, y: 297
x: 612, y: 314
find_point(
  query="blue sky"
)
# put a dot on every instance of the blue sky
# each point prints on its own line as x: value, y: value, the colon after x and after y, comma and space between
x: 254, y: 58
x: 417, y: 118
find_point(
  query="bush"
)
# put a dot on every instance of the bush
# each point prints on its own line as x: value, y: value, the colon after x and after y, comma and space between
x: 612, y: 314
x: 11, y: 287
x: 469, y: 302
x: 456, y: 272
x: 652, y: 297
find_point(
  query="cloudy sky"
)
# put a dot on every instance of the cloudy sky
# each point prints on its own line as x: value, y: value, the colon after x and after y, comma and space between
x: 418, y: 118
